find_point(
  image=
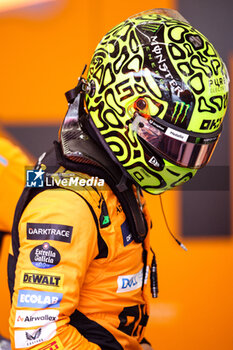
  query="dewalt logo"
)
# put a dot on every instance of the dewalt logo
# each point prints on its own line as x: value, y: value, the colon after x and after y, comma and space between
x: 29, y: 278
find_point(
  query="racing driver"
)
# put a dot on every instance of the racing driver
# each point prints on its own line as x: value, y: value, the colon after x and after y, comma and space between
x: 147, y: 117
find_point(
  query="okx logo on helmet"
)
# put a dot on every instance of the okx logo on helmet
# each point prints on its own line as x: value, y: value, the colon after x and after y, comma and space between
x: 158, y: 92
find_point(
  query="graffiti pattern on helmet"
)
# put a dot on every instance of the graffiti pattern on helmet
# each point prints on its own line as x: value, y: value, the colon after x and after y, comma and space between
x: 176, y: 74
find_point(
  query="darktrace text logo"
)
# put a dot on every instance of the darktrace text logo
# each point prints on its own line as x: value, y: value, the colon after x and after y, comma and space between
x: 55, y: 232
x: 35, y: 178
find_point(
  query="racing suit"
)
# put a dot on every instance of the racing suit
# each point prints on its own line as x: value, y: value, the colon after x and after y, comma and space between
x: 12, y: 174
x: 78, y: 279
x: 12, y: 179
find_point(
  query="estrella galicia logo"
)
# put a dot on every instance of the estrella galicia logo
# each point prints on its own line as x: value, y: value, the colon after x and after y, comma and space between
x: 35, y: 178
x: 38, y: 299
x: 52, y: 232
x: 45, y: 256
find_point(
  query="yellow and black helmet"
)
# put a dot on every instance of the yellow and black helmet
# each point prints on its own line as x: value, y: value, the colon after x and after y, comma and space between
x: 158, y: 94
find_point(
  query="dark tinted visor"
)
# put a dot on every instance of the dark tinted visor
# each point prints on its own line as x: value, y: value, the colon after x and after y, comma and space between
x: 185, y: 149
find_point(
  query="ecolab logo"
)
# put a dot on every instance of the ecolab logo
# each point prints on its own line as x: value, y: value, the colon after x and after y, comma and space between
x: 24, y: 319
x: 39, y: 300
x: 131, y: 282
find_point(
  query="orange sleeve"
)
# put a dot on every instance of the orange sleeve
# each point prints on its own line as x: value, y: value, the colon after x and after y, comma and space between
x: 58, y: 241
x: 12, y: 180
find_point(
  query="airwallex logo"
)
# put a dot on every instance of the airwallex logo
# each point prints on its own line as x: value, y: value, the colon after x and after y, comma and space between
x: 40, y: 178
x: 32, y: 318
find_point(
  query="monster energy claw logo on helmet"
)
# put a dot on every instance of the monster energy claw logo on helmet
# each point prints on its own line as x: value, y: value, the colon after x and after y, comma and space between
x: 159, y: 95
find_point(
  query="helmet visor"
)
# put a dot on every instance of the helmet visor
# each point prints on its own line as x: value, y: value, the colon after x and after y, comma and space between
x: 188, y: 149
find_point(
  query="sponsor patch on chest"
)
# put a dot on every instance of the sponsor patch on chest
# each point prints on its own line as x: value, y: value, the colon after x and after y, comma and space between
x: 127, y: 236
x: 128, y: 283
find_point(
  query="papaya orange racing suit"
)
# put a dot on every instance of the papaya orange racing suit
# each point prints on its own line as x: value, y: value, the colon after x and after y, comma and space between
x: 78, y: 279
x: 12, y: 179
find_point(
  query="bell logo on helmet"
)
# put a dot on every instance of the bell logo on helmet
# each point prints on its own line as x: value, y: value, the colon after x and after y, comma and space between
x: 154, y: 162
